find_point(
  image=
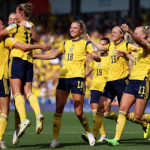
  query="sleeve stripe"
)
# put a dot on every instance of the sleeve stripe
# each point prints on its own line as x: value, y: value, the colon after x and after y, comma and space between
x: 17, y: 28
x: 88, y: 42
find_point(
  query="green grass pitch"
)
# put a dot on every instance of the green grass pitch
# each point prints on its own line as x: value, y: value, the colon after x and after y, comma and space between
x: 70, y: 135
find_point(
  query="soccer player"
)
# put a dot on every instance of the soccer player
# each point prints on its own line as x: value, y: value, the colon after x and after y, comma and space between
x: 72, y: 77
x: 21, y: 68
x: 6, y: 44
x: 13, y: 20
x: 100, y: 70
x: 137, y: 90
x: 117, y: 75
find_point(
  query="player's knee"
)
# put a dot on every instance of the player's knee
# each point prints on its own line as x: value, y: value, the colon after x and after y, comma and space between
x: 5, y: 110
x: 138, y: 116
x: 79, y: 114
x: 59, y: 109
x: 101, y: 109
x: 123, y: 108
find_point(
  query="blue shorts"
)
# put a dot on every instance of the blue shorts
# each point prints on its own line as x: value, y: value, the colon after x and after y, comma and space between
x: 20, y: 69
x: 4, y: 87
x: 138, y: 88
x: 75, y: 85
x: 95, y: 96
x: 115, y: 88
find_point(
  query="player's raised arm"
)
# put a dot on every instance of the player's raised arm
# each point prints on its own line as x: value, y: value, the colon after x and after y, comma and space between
x: 134, y: 36
x: 97, y: 45
x: 50, y: 56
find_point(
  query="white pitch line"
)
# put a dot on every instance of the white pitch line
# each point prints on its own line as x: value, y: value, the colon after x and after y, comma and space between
x: 78, y: 133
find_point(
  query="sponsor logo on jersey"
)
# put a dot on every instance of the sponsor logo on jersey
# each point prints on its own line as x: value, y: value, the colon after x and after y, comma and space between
x: 10, y: 26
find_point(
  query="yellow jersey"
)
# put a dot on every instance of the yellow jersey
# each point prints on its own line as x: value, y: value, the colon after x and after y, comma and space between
x: 75, y: 58
x: 141, y: 65
x: 118, y: 67
x: 22, y: 35
x: 5, y: 45
x: 100, y: 73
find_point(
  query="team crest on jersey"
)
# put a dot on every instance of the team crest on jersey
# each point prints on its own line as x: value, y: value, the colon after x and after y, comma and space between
x: 99, y: 64
x: 71, y: 49
x: 114, y: 52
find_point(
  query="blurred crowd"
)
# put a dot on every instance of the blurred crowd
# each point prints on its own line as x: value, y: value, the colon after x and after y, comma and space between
x: 54, y: 30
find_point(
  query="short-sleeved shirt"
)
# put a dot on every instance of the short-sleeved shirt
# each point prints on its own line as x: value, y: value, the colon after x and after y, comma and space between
x: 75, y: 58
x: 118, y: 67
x: 22, y: 35
x: 100, y: 73
x: 141, y: 64
x: 5, y: 45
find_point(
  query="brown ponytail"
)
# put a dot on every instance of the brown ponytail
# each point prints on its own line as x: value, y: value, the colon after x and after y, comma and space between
x: 26, y: 8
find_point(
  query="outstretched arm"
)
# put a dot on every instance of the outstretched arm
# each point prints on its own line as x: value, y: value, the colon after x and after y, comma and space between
x: 97, y: 45
x: 52, y: 55
x: 29, y: 47
x: 4, y: 33
x: 134, y: 36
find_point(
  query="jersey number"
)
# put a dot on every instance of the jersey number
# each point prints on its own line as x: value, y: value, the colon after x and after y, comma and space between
x: 70, y: 56
x: 113, y: 59
x: 80, y: 84
x: 27, y: 37
x: 99, y: 72
x: 142, y: 90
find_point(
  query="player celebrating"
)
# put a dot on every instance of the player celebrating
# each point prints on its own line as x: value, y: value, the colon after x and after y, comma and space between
x: 98, y: 83
x: 6, y: 44
x: 117, y: 75
x: 21, y: 68
x: 138, y: 87
x: 72, y: 78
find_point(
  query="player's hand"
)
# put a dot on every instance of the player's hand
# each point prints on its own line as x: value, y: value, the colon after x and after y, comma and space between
x: 26, y: 24
x: 89, y: 57
x: 126, y: 28
x: 120, y: 53
x: 45, y: 47
x: 87, y: 37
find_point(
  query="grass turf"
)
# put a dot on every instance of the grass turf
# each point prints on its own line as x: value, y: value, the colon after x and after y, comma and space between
x: 70, y: 135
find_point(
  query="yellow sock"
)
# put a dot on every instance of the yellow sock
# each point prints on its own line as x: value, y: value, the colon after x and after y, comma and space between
x: 97, y: 123
x: 20, y: 105
x: 56, y: 125
x: 102, y: 127
x: 34, y: 103
x: 111, y: 115
x: 94, y: 113
x: 17, y: 119
x: 120, y: 124
x: 85, y: 124
x: 0, y: 111
x: 133, y: 119
x: 146, y: 117
x: 3, y: 125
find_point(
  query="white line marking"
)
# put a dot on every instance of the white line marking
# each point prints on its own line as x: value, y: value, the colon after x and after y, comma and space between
x: 79, y: 133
